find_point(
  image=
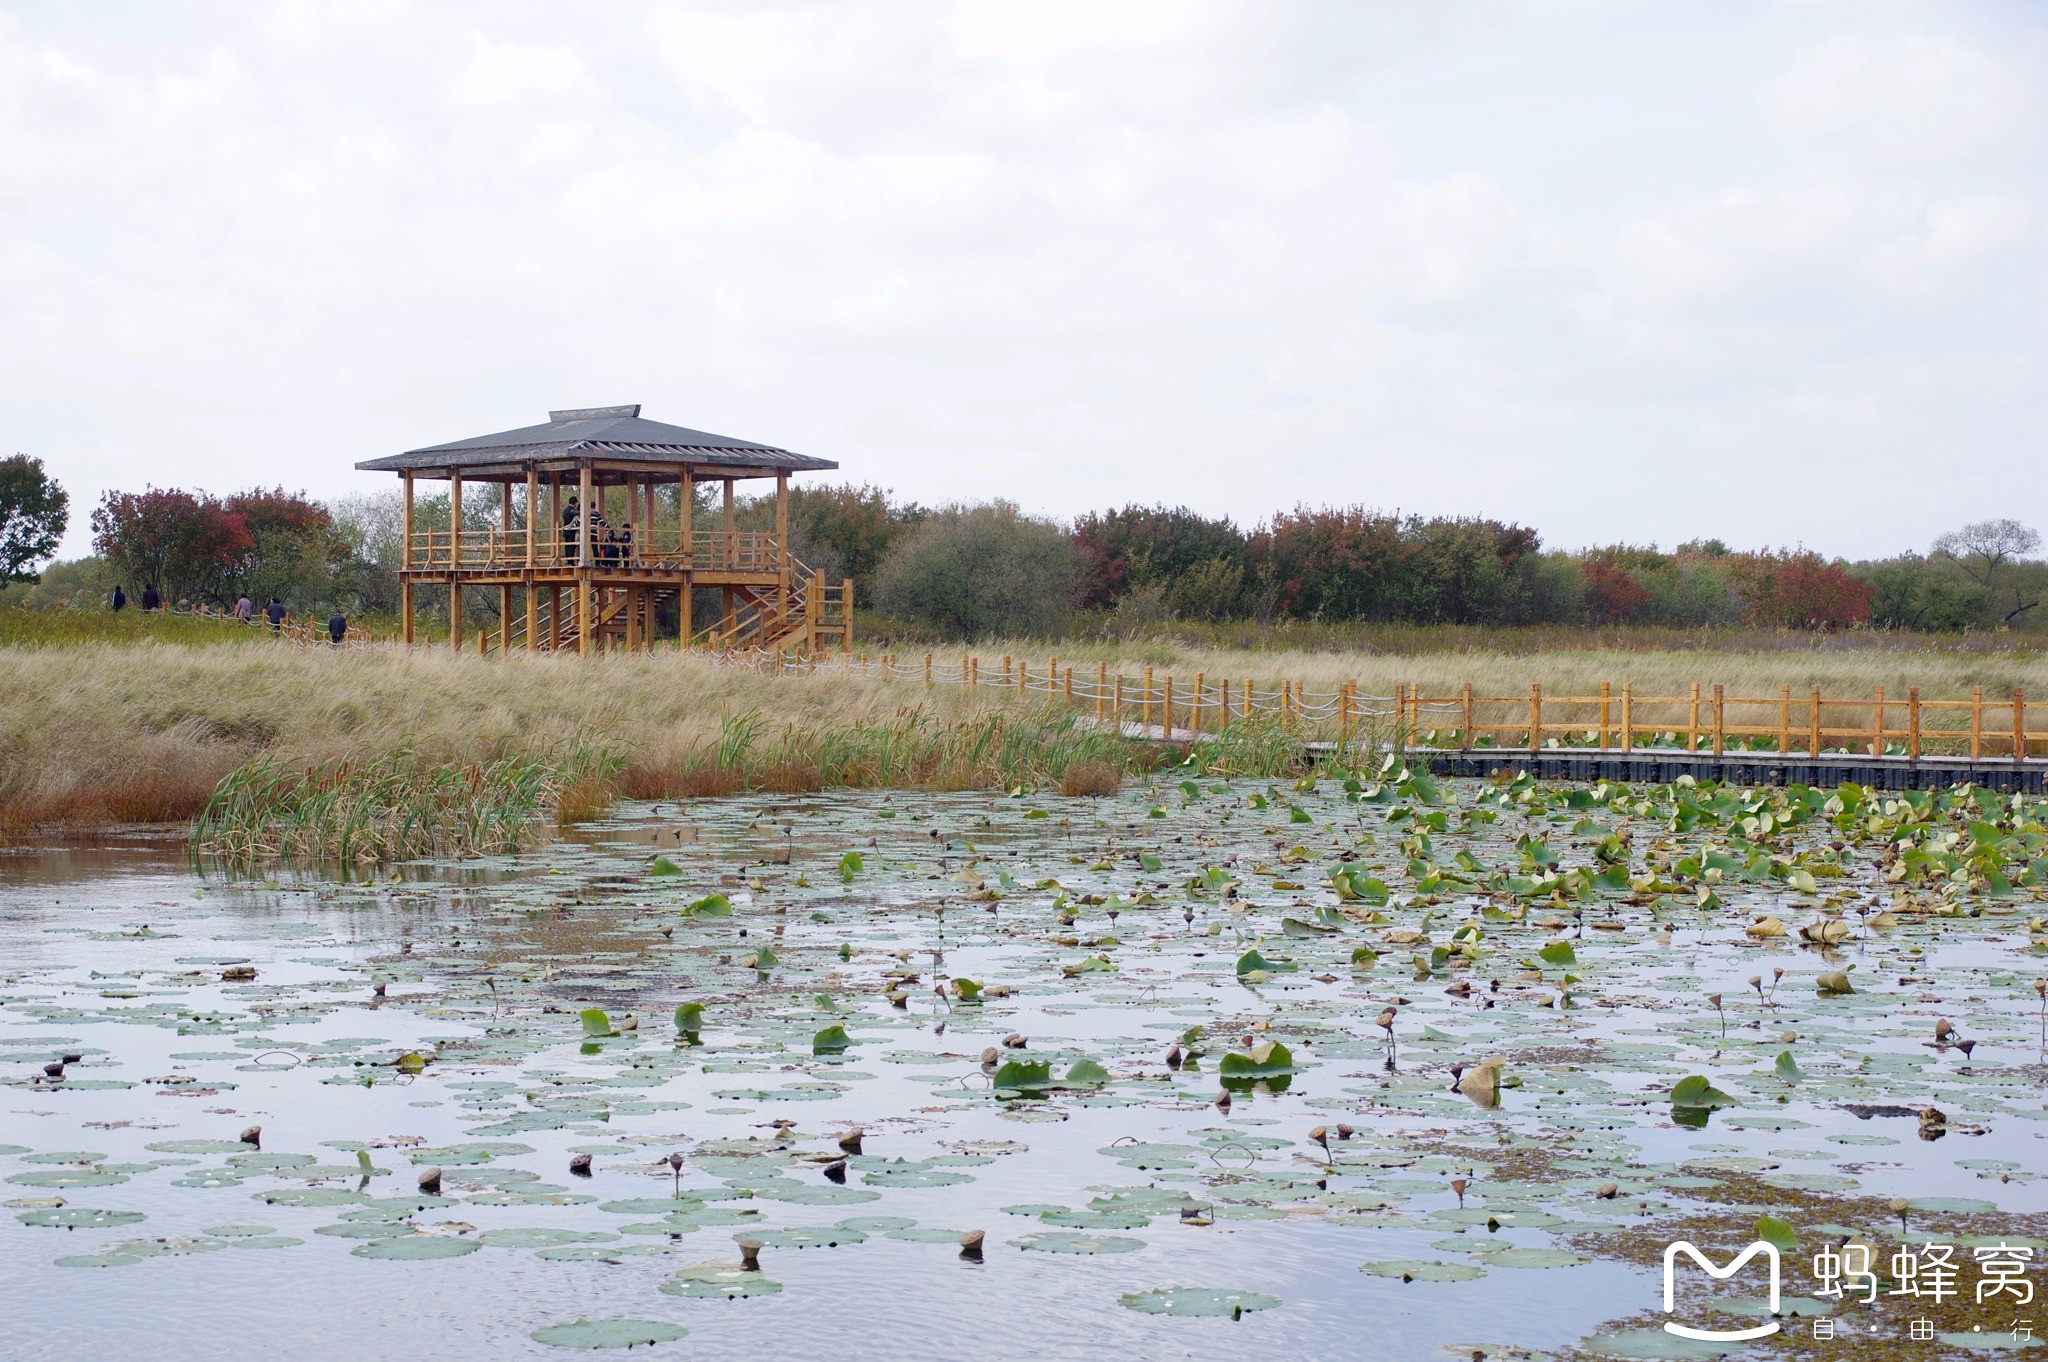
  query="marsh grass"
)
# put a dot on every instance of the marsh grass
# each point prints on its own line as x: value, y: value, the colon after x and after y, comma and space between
x: 127, y: 732
x: 399, y: 805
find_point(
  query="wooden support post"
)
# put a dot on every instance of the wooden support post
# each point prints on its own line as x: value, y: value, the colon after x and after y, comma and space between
x: 1606, y: 703
x: 1343, y: 717
x: 1145, y: 701
x: 686, y: 493
x: 503, y: 548
x: 1628, y: 717
x: 505, y: 618
x: 483, y: 639
x: 1067, y: 685
x: 1913, y: 724
x: 454, y: 560
x: 846, y: 610
x: 405, y: 553
x: 1006, y: 669
x: 405, y: 611
x: 1976, y: 722
x: 1465, y: 697
x: 1784, y: 719
x: 1720, y: 714
x: 1225, y: 699
x: 782, y: 530
x: 556, y: 548
x: 532, y: 614
x: 1166, y: 721
x: 1813, y: 724
x: 732, y: 543
x: 1877, y: 724
x: 586, y: 613
x: 1692, y: 723
x: 927, y: 671
x: 532, y: 515
x: 1101, y: 688
x: 1116, y: 715
x: 1536, y: 718
x: 1245, y: 698
x: 2019, y: 725
x: 1195, y: 708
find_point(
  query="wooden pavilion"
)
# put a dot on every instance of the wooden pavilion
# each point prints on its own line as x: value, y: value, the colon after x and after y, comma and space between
x: 570, y: 579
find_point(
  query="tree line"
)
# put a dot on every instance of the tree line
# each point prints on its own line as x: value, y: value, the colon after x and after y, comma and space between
x: 990, y: 569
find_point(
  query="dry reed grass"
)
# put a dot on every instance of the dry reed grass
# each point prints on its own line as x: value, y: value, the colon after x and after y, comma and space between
x: 1090, y: 778
x: 102, y: 733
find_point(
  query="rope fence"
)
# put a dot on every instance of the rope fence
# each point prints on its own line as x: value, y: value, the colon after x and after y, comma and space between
x: 1704, y: 720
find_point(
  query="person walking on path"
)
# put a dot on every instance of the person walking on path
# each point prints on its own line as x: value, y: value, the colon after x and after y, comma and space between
x: 150, y: 600
x: 120, y: 601
x: 244, y: 608
x: 274, y: 612
x: 337, y: 626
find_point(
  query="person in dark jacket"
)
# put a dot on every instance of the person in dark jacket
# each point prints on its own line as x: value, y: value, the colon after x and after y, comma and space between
x: 337, y: 625
x: 150, y: 600
x: 571, y: 513
x: 120, y: 601
x: 274, y: 612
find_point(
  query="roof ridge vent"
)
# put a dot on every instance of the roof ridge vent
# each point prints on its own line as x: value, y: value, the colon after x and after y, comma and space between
x: 592, y: 413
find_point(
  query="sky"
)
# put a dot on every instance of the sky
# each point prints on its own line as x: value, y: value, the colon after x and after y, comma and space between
x: 1620, y: 270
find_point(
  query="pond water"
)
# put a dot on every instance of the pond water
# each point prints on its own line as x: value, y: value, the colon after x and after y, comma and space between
x: 377, y: 1024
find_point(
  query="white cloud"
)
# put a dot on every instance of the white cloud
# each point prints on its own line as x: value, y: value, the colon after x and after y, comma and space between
x: 1707, y: 246
x: 1073, y: 253
x: 1924, y: 96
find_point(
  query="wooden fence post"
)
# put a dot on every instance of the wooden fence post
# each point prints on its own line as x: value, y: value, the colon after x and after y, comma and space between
x: 1976, y: 722
x: 1195, y: 708
x: 1343, y: 716
x: 1166, y: 719
x: 1628, y: 717
x: 1913, y: 724
x: 1877, y: 724
x: 1720, y: 728
x: 1101, y: 688
x: 927, y: 671
x: 1692, y: 723
x: 1466, y: 697
x: 1813, y: 724
x: 1535, y: 719
x: 2019, y: 725
x: 1784, y: 718
x: 1606, y: 712
x: 1145, y: 701
x: 1116, y: 709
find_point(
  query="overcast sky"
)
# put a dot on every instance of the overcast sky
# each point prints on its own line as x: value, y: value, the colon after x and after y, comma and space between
x: 1618, y: 269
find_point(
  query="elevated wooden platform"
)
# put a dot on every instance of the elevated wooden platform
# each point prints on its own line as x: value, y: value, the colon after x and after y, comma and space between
x: 598, y: 504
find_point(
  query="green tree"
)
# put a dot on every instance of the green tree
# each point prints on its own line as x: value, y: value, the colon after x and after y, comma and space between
x: 981, y: 572
x: 1989, y: 552
x: 34, y: 510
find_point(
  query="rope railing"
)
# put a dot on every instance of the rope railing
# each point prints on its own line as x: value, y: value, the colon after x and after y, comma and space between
x: 1707, y: 719
x: 304, y: 631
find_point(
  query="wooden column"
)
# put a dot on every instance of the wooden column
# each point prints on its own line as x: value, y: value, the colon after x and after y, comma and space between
x: 782, y: 534
x: 686, y: 495
x: 586, y: 619
x: 405, y: 601
x: 554, y: 515
x: 454, y: 559
x: 532, y: 530
x: 532, y: 615
x: 731, y: 543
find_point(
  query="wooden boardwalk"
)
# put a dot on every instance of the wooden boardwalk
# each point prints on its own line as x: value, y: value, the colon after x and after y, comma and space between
x: 1893, y: 742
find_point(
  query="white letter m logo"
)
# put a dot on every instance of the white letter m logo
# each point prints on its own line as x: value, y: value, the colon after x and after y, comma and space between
x: 1719, y: 1274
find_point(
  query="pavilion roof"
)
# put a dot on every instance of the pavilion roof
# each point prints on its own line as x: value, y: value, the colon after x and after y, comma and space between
x: 613, y: 433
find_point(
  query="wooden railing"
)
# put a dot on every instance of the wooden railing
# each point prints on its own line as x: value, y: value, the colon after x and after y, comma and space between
x: 1704, y: 720
x: 499, y: 549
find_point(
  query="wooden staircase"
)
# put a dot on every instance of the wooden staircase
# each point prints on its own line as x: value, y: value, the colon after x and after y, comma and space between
x: 813, y: 617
